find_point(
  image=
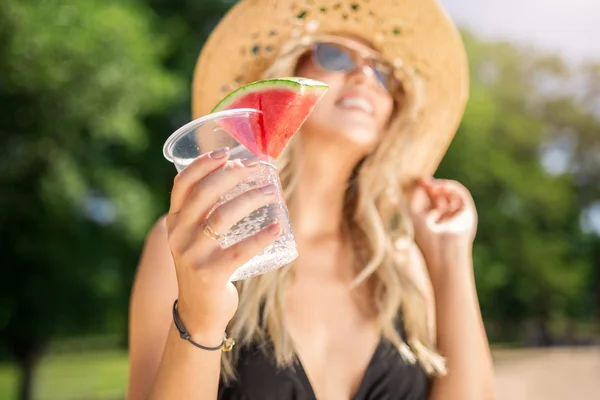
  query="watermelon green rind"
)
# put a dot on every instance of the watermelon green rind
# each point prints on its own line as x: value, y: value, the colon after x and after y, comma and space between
x: 294, y: 83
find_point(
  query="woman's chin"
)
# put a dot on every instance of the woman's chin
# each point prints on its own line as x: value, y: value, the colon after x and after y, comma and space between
x: 347, y: 137
x: 355, y: 136
x: 347, y: 133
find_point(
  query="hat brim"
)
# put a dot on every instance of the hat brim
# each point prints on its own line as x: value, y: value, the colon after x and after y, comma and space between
x: 416, y: 35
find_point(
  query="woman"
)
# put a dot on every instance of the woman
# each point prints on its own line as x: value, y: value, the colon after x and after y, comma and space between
x: 381, y: 303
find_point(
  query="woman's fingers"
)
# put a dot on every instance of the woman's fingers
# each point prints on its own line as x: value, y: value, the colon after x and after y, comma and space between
x: 445, y: 201
x: 196, y: 171
x: 454, y: 205
x: 228, y: 214
x: 428, y: 187
x: 434, y: 192
x: 209, y: 190
x: 229, y: 259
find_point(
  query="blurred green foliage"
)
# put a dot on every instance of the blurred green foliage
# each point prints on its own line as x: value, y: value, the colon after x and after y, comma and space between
x: 89, y: 91
x: 528, y: 150
x: 77, y: 82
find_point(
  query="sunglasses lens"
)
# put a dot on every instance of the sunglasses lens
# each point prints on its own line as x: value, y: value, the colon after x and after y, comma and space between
x: 382, y: 77
x: 333, y: 58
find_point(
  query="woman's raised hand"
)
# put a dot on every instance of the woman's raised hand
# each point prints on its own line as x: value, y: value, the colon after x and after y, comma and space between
x: 207, y: 299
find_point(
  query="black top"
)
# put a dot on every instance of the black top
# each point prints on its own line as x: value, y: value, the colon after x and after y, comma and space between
x: 388, y: 377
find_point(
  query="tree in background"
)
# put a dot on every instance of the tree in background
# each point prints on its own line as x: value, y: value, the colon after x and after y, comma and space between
x: 527, y: 148
x: 76, y: 81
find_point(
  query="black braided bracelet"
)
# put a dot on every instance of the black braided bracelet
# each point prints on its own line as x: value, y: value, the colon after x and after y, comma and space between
x: 227, y: 343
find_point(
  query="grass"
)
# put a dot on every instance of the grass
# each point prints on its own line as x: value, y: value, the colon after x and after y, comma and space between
x: 82, y: 376
x: 8, y: 382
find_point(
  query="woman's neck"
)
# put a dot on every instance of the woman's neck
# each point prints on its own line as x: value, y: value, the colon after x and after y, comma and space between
x: 320, y: 194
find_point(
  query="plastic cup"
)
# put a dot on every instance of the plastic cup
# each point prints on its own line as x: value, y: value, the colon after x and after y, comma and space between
x: 210, y: 133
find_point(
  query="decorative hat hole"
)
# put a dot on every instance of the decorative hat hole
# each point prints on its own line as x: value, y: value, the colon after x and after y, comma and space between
x: 323, y: 9
x: 272, y: 33
x: 396, y: 31
x: 255, y: 49
x: 354, y: 7
x: 239, y: 79
x: 301, y: 15
x: 269, y: 49
x: 337, y: 6
x: 344, y: 16
x: 224, y: 89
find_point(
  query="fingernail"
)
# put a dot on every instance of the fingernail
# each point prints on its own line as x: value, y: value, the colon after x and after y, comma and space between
x: 250, y: 162
x: 274, y: 228
x: 218, y: 154
x: 268, y: 190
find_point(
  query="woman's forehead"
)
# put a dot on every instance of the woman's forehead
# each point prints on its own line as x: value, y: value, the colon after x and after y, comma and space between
x: 353, y: 41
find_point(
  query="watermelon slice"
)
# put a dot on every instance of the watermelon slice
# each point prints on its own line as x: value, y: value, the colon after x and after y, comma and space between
x: 285, y: 104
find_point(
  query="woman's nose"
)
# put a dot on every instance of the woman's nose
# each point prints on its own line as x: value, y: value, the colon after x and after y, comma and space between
x: 362, y: 74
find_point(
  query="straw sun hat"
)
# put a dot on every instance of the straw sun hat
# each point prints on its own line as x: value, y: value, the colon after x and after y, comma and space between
x: 415, y: 36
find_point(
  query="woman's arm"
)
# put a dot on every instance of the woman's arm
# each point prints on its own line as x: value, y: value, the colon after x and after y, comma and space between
x: 181, y: 261
x: 461, y: 337
x: 445, y: 221
x: 161, y: 364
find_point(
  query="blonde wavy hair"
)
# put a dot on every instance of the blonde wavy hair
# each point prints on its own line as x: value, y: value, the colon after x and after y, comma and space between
x: 375, y: 221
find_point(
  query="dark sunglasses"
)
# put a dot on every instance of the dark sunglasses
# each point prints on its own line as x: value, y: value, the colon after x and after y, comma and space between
x: 334, y: 57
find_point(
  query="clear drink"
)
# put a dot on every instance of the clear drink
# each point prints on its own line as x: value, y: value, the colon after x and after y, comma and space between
x: 210, y: 133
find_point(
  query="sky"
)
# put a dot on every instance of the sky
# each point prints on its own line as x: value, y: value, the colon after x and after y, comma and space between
x: 568, y: 27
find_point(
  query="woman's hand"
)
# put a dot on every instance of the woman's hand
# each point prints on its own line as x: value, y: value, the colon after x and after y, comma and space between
x: 207, y: 299
x: 445, y: 221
